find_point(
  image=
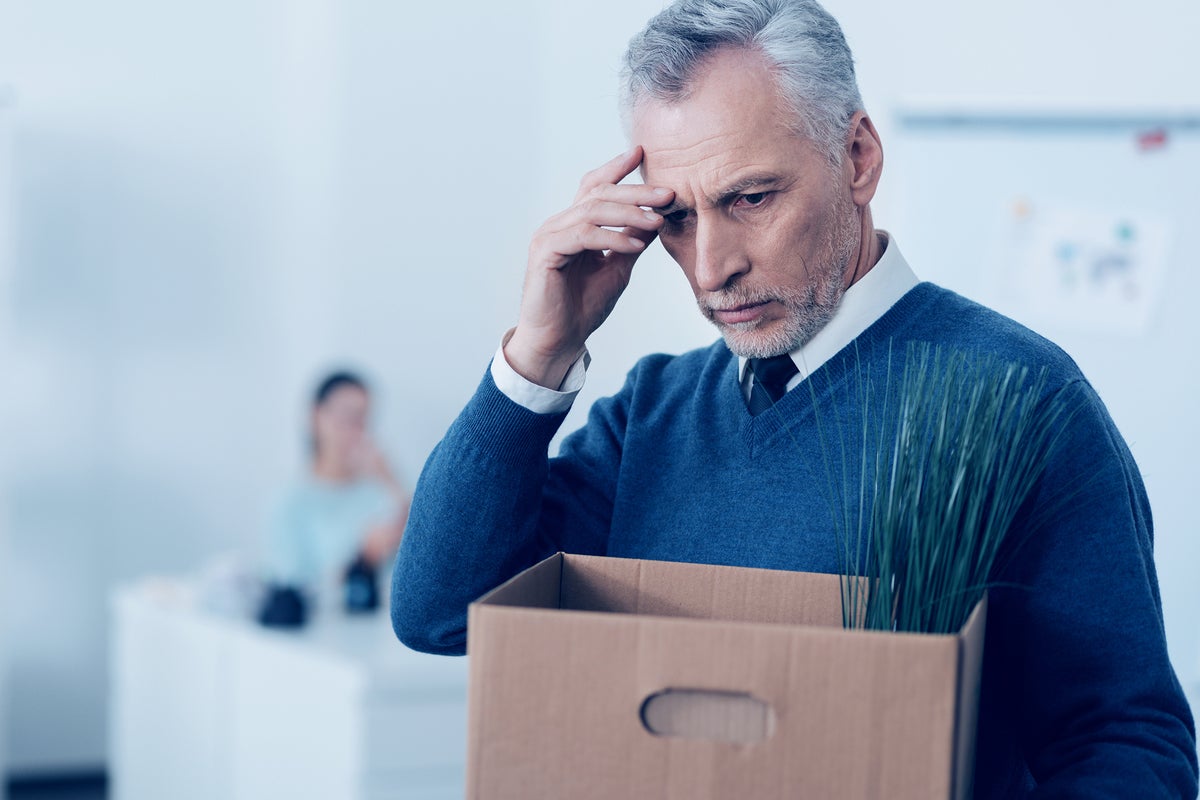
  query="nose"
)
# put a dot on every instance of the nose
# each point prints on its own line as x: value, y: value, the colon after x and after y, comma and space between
x: 718, y: 254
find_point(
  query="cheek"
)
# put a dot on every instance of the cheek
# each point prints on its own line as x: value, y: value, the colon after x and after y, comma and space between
x: 337, y: 432
x: 322, y: 427
x: 794, y: 238
x: 773, y: 245
x: 681, y: 252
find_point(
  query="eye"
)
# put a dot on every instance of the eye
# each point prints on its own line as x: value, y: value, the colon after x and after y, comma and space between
x: 676, y: 218
x: 754, y: 199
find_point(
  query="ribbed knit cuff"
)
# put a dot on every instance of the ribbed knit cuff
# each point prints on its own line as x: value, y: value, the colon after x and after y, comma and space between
x: 496, y: 427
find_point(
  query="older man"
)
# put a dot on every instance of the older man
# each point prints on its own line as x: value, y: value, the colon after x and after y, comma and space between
x: 759, y: 166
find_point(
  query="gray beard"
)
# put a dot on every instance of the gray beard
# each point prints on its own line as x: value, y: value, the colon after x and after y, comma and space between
x: 804, y: 317
x: 807, y: 310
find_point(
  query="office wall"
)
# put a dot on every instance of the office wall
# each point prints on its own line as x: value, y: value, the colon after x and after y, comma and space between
x: 154, y: 193
x: 216, y: 200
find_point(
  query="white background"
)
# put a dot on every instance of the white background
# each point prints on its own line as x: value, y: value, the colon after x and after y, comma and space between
x: 215, y: 201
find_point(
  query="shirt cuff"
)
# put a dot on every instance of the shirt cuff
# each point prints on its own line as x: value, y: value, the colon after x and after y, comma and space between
x: 533, y: 397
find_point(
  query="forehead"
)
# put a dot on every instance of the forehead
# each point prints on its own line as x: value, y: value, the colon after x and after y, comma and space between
x: 732, y: 123
x: 346, y: 398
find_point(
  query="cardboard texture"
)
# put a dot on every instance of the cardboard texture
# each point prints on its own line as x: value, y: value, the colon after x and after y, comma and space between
x: 617, y: 678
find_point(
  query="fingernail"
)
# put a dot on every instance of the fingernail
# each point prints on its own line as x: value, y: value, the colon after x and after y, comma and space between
x: 662, y: 192
x: 638, y: 243
x: 650, y: 215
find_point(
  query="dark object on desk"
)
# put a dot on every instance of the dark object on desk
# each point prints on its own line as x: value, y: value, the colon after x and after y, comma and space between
x: 361, y: 587
x: 284, y: 607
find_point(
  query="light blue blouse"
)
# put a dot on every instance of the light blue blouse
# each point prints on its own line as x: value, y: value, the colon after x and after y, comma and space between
x: 318, y: 528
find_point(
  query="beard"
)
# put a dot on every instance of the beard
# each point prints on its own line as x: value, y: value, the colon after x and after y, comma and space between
x: 807, y: 309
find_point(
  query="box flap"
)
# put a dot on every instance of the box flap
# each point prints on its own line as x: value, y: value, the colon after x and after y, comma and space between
x: 536, y: 587
x: 970, y: 667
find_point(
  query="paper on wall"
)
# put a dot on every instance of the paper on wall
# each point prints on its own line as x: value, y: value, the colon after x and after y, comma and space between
x: 1088, y: 269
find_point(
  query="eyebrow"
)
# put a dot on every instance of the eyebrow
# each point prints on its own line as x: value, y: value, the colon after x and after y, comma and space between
x: 731, y: 192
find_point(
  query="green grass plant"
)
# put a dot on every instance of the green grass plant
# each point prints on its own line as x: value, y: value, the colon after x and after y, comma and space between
x: 951, y: 446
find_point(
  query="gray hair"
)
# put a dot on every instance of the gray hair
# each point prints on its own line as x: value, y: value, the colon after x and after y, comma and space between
x: 798, y: 38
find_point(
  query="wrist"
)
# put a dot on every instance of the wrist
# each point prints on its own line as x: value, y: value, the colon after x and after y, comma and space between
x: 546, y: 367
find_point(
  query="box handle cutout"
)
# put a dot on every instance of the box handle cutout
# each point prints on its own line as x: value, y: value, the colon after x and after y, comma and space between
x: 735, y: 717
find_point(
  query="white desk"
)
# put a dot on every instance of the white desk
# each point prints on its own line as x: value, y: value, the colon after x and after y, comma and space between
x: 210, y: 708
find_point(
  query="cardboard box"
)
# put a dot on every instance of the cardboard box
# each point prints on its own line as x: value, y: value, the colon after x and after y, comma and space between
x: 753, y: 687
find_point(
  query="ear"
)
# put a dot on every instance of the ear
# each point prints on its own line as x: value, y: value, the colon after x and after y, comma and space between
x: 864, y: 159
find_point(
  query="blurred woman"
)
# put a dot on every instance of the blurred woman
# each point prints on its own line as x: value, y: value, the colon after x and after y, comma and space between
x: 344, y: 517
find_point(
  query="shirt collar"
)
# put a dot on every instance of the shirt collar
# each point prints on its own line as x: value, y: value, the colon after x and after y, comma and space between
x: 861, y: 306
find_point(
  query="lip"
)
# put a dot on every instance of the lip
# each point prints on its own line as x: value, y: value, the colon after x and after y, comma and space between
x: 739, y: 314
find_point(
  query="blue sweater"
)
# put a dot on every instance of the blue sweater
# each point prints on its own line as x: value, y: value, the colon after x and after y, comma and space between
x: 1078, y: 698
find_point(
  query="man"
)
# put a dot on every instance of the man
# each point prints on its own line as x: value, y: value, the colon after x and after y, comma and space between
x: 759, y: 167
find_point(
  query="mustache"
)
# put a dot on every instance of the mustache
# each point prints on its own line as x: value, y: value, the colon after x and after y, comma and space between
x: 737, y: 296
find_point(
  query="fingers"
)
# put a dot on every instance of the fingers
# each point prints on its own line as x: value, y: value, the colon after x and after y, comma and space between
x: 606, y: 218
x: 612, y: 172
x: 606, y: 180
x: 645, y: 237
x: 589, y: 227
x: 554, y: 251
x: 603, y: 201
x: 634, y: 194
x: 613, y: 241
x: 606, y: 213
x: 601, y: 207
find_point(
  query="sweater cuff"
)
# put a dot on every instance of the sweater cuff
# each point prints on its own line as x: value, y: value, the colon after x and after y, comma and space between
x: 496, y: 426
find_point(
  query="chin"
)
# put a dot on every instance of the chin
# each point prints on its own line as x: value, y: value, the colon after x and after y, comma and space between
x: 750, y: 341
x: 753, y: 340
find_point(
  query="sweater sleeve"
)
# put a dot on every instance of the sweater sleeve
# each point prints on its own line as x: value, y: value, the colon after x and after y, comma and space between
x: 1100, y: 711
x: 490, y: 503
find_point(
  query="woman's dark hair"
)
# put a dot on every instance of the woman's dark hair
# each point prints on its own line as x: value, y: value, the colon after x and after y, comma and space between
x: 334, y: 382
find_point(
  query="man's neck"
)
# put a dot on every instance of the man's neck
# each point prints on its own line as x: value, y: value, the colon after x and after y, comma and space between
x: 869, y: 251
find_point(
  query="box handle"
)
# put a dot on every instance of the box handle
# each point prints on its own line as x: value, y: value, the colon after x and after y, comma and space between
x: 736, y: 717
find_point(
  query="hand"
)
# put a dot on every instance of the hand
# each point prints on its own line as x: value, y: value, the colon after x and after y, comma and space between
x: 578, y: 268
x: 369, y: 462
x: 380, y: 542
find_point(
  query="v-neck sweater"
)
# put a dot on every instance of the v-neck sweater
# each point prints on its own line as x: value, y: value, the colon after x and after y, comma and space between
x: 1078, y: 697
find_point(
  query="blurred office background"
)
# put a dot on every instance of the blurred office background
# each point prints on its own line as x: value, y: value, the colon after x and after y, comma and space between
x: 204, y: 205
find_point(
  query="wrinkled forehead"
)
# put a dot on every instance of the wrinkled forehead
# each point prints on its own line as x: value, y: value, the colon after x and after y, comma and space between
x: 731, y: 125
x: 733, y: 100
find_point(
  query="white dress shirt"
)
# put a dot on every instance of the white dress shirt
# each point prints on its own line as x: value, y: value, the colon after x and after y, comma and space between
x: 863, y: 303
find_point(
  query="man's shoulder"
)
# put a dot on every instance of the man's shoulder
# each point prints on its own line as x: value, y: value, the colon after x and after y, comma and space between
x: 942, y: 316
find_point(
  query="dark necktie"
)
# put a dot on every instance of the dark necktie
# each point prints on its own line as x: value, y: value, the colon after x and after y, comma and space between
x: 771, y: 376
